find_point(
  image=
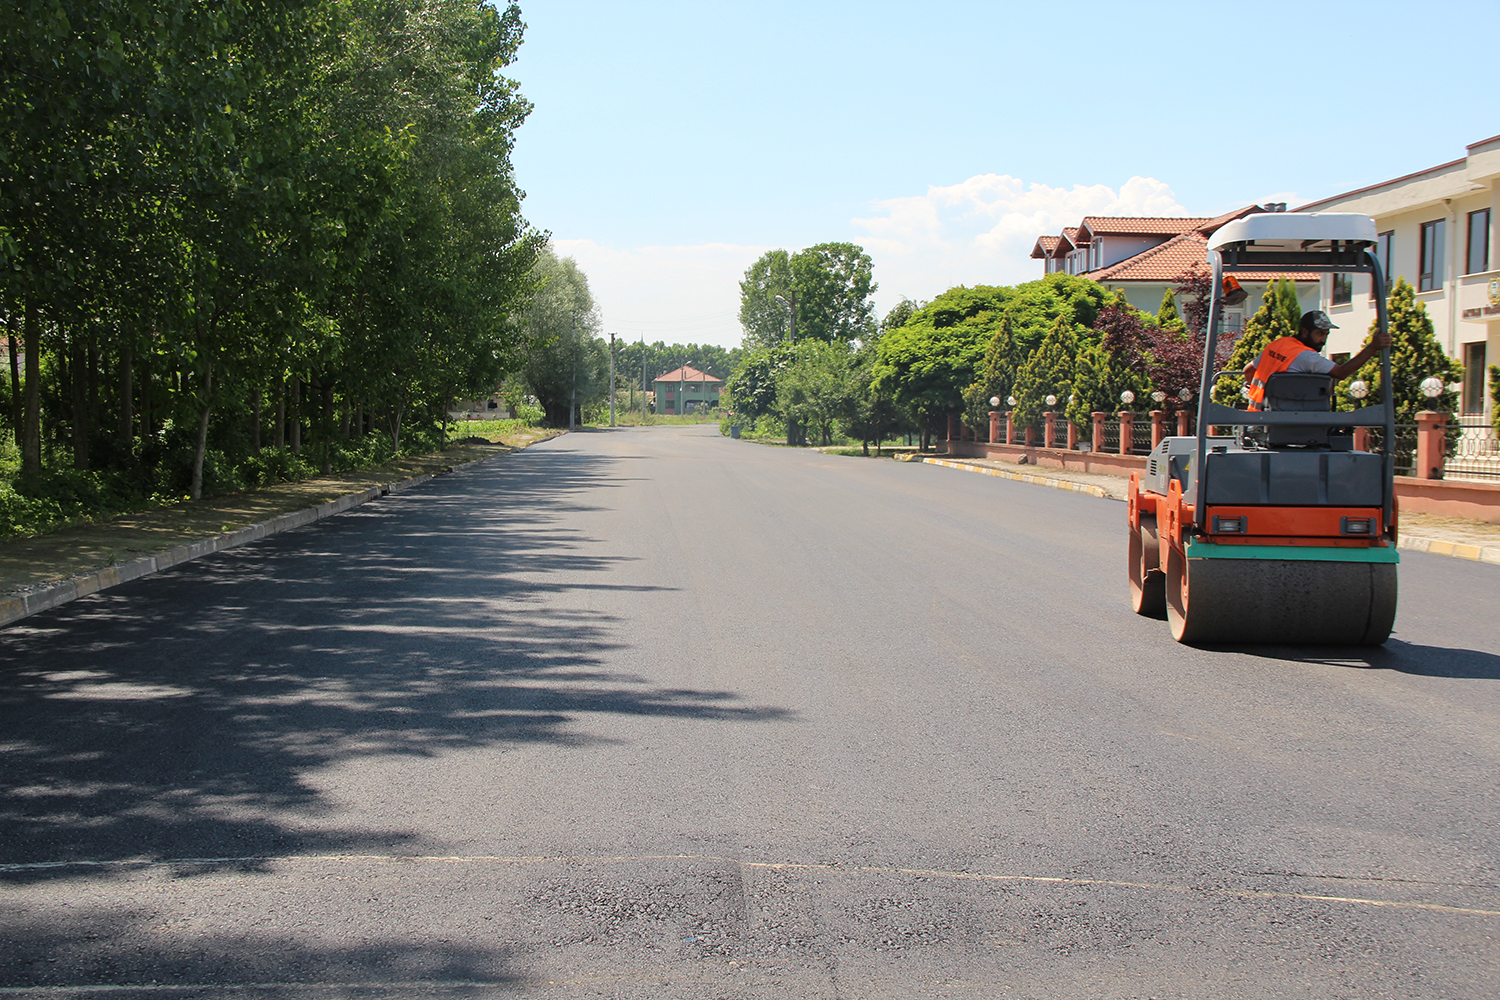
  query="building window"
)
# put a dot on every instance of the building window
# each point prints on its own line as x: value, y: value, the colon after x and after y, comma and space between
x: 1383, y: 254
x: 1430, y: 273
x: 1479, y: 241
x: 1343, y: 290
x: 1473, y: 394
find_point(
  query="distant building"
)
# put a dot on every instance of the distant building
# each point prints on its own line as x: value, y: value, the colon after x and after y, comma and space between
x: 686, y: 390
x: 1145, y: 256
x: 1437, y: 230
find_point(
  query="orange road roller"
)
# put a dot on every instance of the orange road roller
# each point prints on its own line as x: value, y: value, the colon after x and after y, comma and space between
x: 1268, y: 526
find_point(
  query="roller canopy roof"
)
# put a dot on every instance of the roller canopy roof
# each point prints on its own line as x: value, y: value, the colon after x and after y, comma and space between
x: 1294, y: 231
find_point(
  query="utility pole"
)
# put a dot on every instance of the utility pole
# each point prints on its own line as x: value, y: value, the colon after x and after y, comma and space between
x: 573, y: 402
x: 643, y: 376
x: 611, y: 380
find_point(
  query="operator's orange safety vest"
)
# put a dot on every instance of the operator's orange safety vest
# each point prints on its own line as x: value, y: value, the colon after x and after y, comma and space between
x: 1277, y: 357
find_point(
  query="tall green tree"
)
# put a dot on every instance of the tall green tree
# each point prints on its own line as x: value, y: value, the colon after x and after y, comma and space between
x: 567, y: 364
x: 824, y: 290
x: 1047, y: 372
x: 1415, y: 355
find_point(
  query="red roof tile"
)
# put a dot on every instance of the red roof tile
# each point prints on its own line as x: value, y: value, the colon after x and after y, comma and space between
x: 1171, y: 260
x: 1045, y: 245
x: 1111, y: 225
x: 687, y: 374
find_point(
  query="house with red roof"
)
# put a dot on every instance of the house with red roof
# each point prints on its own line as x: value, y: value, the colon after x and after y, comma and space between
x: 686, y: 390
x: 1145, y: 256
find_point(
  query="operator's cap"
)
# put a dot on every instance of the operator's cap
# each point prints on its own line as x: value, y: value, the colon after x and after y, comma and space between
x: 1316, y: 319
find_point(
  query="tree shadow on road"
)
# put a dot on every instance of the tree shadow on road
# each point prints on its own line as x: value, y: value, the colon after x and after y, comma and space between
x: 178, y: 716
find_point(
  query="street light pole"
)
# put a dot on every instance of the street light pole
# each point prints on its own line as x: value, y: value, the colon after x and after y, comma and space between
x: 573, y: 401
x: 791, y: 306
x: 611, y: 380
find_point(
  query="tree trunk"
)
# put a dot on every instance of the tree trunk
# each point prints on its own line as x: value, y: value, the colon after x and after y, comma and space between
x: 79, y: 365
x: 146, y: 424
x: 127, y: 398
x: 279, y: 438
x: 15, y: 373
x: 206, y: 404
x: 255, y: 420
x: 326, y: 432
x: 395, y: 422
x: 296, y: 415
x: 31, y: 434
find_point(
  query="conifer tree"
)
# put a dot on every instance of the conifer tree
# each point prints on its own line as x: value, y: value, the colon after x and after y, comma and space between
x: 998, y: 374
x: 1415, y: 355
x: 1048, y: 372
x: 1166, y: 313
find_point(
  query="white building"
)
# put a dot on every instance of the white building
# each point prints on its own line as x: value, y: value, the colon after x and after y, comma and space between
x: 1437, y: 231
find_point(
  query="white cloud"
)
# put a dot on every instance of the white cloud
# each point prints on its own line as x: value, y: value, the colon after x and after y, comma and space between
x: 677, y: 294
x: 978, y: 231
x: 981, y: 230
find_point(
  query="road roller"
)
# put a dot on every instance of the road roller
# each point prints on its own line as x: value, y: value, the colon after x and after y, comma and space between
x: 1268, y: 526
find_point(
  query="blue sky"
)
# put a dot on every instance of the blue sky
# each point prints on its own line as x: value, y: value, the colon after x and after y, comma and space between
x: 673, y: 143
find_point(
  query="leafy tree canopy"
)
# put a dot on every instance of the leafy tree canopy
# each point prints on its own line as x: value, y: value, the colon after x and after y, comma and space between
x: 831, y: 285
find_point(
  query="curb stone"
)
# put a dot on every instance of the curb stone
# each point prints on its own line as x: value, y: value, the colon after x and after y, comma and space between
x: 1458, y: 550
x: 1412, y: 543
x: 1025, y: 477
x: 14, y: 608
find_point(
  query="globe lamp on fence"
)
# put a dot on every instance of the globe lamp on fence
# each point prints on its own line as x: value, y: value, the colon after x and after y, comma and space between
x: 1358, y: 389
x: 1432, y: 387
x: 1011, y: 400
x: 1186, y: 394
x: 995, y: 401
x: 1051, y: 400
x: 1127, y: 397
x: 1158, y: 396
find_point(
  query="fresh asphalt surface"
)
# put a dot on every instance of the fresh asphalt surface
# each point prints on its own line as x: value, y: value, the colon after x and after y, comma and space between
x: 652, y: 713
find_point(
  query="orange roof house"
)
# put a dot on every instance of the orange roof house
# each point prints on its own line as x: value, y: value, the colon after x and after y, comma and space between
x: 1145, y: 256
x: 685, y: 390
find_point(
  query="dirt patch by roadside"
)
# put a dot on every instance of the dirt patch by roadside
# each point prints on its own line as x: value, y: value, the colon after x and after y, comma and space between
x: 29, y: 564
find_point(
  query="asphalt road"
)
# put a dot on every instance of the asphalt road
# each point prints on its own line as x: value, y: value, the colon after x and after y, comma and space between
x: 652, y: 713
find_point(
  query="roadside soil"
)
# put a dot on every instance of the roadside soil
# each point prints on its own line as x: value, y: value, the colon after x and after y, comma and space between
x: 28, y: 564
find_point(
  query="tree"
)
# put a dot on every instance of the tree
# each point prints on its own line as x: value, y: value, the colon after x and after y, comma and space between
x: 752, y: 387
x: 830, y: 286
x: 1415, y: 355
x: 1098, y: 381
x: 874, y: 414
x: 1047, y: 372
x: 1001, y: 359
x: 1166, y: 314
x: 900, y: 314
x: 1495, y: 397
x: 567, y: 364
x: 816, y: 388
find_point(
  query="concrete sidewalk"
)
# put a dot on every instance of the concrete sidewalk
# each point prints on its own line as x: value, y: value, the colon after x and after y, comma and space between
x: 47, y: 570
x: 1446, y: 536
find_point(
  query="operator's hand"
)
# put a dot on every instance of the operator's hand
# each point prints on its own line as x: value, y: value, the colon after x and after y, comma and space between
x: 1380, y: 341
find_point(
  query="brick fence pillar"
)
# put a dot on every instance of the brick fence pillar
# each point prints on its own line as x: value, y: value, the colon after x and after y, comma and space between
x: 1049, y: 419
x: 1127, y: 431
x: 994, y: 426
x: 954, y: 433
x: 1158, y: 427
x: 1072, y: 436
x: 1361, y: 439
x: 1097, y: 441
x: 1182, y: 423
x: 1010, y: 428
x: 1431, y: 444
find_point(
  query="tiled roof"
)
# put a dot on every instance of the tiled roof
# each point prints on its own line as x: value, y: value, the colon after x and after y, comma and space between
x: 1211, y: 226
x: 687, y: 374
x: 1069, y: 239
x: 1112, y: 225
x: 1169, y: 261
x: 1045, y: 245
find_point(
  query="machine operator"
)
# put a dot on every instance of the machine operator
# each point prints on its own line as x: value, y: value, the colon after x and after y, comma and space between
x: 1303, y: 353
